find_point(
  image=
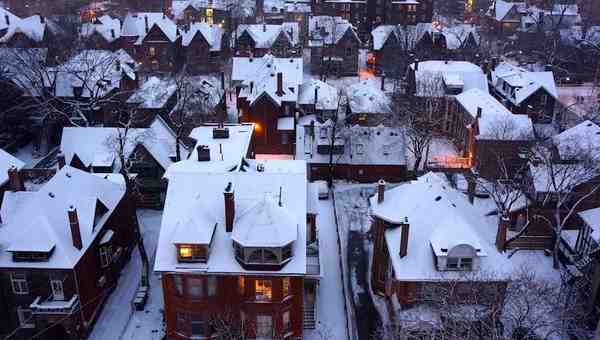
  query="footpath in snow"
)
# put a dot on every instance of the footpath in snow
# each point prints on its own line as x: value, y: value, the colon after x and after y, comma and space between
x: 118, y: 320
x: 331, y: 311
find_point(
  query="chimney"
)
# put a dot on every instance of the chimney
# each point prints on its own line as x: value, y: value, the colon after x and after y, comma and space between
x: 14, y: 179
x: 7, y: 18
x: 229, y: 207
x: 380, y: 191
x: 146, y: 23
x: 61, y: 160
x: 503, y: 224
x: 251, y: 87
x: 416, y: 64
x: 203, y: 153
x: 316, y: 96
x: 223, y: 81
x: 382, y: 82
x: 404, y: 237
x: 279, y: 84
x: 479, y: 112
x: 74, y: 225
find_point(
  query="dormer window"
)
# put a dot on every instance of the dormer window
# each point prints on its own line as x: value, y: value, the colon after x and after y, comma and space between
x: 459, y: 263
x: 461, y: 257
x: 192, y: 253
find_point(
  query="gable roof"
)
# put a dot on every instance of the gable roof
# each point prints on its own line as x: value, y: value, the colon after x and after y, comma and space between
x: 32, y: 27
x: 154, y: 93
x: 431, y: 75
x: 581, y: 139
x: 38, y: 221
x: 213, y: 35
x: 108, y: 27
x: 7, y: 161
x: 496, y: 121
x: 527, y: 82
x: 327, y: 30
x: 134, y: 25
x: 363, y: 97
x: 93, y: 145
x: 265, y: 35
x: 327, y: 95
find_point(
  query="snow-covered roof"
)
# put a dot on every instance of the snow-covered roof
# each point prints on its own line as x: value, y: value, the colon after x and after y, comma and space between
x: 581, y: 139
x: 298, y: 6
x: 526, y: 82
x: 431, y: 74
x: 327, y: 30
x: 179, y: 6
x: 34, y: 27
x: 96, y: 72
x: 502, y: 8
x: 38, y: 221
x: 94, y: 146
x: 366, y: 145
x: 592, y: 218
x: 409, y: 36
x: 154, y: 93
x: 327, y: 95
x: 560, y: 178
x: 363, y: 97
x: 496, y: 121
x: 259, y: 220
x: 134, y: 25
x: 4, y: 21
x: 225, y: 153
x: 265, y: 35
x: 213, y: 35
x: 108, y: 27
x: 439, y: 216
x: 261, y: 73
x: 458, y: 35
x: 207, y: 93
x: 7, y: 161
x: 22, y: 65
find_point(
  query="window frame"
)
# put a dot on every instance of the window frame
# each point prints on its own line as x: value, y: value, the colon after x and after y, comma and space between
x: 263, y: 297
x: 23, y: 320
x: 20, y: 286
x: 105, y: 254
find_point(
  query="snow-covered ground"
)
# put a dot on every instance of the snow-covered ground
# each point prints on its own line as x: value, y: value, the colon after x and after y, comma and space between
x: 331, y: 311
x: 118, y: 320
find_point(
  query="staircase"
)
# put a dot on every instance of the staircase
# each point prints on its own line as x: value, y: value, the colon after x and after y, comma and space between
x: 309, y: 316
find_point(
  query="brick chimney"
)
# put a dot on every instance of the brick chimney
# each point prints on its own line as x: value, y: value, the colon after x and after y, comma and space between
x: 316, y: 96
x: 146, y: 23
x: 404, y: 237
x: 74, y: 225
x: 7, y: 19
x: 229, y: 207
x: 61, y: 160
x: 14, y: 179
x: 380, y: 191
x: 503, y: 224
x: 279, y: 84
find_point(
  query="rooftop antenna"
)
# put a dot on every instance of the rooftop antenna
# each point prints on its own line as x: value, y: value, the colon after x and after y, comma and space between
x: 280, y: 204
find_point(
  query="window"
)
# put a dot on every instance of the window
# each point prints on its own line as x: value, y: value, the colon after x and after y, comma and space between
x: 58, y: 292
x: 287, y: 252
x: 349, y: 52
x: 360, y: 149
x: 182, y: 323
x: 459, y: 263
x: 264, y: 290
x: 269, y: 256
x: 285, y: 286
x: 264, y: 327
x: 241, y: 285
x: 195, y: 287
x: 197, y: 325
x: 19, y: 284
x: 152, y: 52
x: 287, y: 325
x: 192, y: 253
x: 105, y: 256
x: 263, y: 256
x: 25, y: 318
x: 212, y: 286
x: 178, y: 283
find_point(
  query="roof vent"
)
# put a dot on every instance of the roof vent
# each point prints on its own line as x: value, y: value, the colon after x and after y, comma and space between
x: 203, y: 153
x: 260, y: 167
x: 220, y: 132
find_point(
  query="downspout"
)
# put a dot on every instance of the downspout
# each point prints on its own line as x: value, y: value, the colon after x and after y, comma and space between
x: 79, y: 294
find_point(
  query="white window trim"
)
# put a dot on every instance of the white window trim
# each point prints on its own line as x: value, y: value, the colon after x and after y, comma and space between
x: 25, y: 322
x: 105, y: 256
x: 19, y: 286
x: 56, y: 296
x: 459, y: 262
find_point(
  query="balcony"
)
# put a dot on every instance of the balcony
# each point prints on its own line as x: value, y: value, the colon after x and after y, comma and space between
x: 50, y: 306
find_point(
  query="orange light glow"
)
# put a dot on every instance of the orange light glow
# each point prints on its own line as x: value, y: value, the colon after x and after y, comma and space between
x: 366, y: 74
x: 453, y: 162
x: 258, y: 128
x: 185, y: 252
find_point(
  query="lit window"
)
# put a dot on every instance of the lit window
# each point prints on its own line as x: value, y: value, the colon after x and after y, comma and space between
x: 152, y: 52
x: 185, y: 252
x: 192, y: 253
x: 286, y: 286
x: 19, y: 284
x: 264, y: 290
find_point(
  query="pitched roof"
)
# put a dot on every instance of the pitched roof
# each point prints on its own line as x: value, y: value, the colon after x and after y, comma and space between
x: 527, y: 82
x: 134, y: 25
x: 154, y: 93
x: 32, y: 27
x: 108, y: 27
x: 496, y: 121
x: 431, y: 75
x: 327, y: 95
x: 38, y: 221
x: 329, y: 30
x: 265, y: 35
x: 363, y: 97
x: 213, y: 35
x: 581, y: 139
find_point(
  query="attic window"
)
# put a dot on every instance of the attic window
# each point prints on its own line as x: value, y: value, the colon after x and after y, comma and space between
x: 192, y: 253
x: 32, y: 256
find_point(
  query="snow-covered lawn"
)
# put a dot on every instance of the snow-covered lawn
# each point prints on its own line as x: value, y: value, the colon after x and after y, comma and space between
x: 330, y: 300
x: 118, y: 320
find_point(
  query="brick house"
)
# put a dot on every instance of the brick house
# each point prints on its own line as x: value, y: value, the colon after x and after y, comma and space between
x: 525, y: 92
x: 33, y: 32
x: 102, y: 33
x: 257, y: 40
x: 505, y: 17
x: 334, y: 46
x: 153, y: 40
x: 205, y: 48
x: 318, y: 98
x: 417, y: 249
x: 300, y: 12
x: 367, y: 105
x: 151, y: 150
x: 63, y: 249
x: 8, y: 163
x: 239, y: 250
x: 360, y: 153
x: 211, y: 12
x: 490, y: 132
x: 267, y: 95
